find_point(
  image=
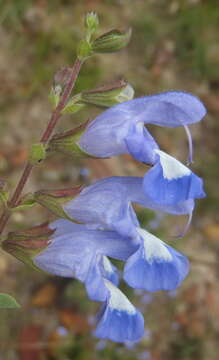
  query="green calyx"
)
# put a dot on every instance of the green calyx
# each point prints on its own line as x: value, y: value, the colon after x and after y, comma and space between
x: 109, y: 95
x: 111, y: 41
x: 66, y: 143
x: 25, y: 245
x: 54, y: 200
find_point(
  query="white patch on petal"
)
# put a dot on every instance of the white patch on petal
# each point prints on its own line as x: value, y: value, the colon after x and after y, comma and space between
x: 154, y: 248
x: 172, y: 168
x: 117, y: 300
x: 107, y: 265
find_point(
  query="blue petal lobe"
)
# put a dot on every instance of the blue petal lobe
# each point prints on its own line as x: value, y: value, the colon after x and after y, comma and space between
x: 141, y: 144
x: 100, y: 269
x: 120, y: 321
x: 175, y: 188
x: 172, y: 109
x: 72, y: 254
x: 104, y: 205
x: 120, y: 326
x: 156, y: 266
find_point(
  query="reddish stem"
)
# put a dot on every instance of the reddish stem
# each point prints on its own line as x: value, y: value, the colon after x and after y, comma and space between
x: 44, y: 139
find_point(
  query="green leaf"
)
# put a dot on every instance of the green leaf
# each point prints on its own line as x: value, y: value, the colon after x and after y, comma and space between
x: 25, y: 205
x: 72, y: 108
x: 8, y: 302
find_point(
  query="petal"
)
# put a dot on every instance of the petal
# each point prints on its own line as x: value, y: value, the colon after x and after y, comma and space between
x: 63, y: 258
x: 112, y: 131
x: 110, y: 271
x: 73, y: 254
x: 132, y: 190
x: 104, y: 137
x: 100, y: 269
x: 120, y: 321
x: 141, y: 144
x: 170, y: 182
x: 155, y: 266
x: 104, y: 205
x: 63, y: 227
x: 172, y: 109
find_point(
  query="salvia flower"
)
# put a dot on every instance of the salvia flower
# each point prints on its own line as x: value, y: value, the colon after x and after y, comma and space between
x: 121, y: 130
x: 78, y: 252
x: 150, y: 264
x: 107, y: 204
x: 108, y: 226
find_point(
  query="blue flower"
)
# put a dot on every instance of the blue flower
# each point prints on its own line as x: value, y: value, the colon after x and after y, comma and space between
x: 82, y: 253
x: 121, y: 130
x: 75, y: 251
x: 120, y: 321
x: 155, y: 265
x: 170, y: 182
x: 107, y: 205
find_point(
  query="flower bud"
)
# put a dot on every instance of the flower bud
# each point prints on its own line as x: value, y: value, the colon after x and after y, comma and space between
x: 54, y: 200
x: 110, y: 95
x: 54, y: 95
x: 112, y: 41
x: 91, y: 22
x: 24, y: 245
x: 66, y: 142
x: 61, y: 77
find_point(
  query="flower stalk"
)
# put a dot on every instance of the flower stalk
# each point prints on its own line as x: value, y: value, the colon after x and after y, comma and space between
x: 44, y: 140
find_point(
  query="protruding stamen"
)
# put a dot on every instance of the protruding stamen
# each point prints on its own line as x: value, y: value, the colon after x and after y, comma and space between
x: 189, y: 137
x: 186, y: 228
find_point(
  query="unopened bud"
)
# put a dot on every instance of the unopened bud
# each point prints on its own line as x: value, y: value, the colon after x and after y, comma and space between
x: 109, y: 95
x: 112, y: 41
x: 54, y: 95
x: 54, y: 200
x: 91, y: 22
x: 62, y: 76
x: 24, y: 245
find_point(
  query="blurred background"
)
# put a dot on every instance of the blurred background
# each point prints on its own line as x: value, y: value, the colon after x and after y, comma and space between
x: 175, y: 46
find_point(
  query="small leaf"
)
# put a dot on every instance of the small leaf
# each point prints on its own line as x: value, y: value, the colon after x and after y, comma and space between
x: 111, y: 41
x: 26, y: 205
x: 72, y: 108
x: 8, y: 302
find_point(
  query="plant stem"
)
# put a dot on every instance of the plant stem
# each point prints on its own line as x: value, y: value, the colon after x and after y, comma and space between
x: 44, y: 139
